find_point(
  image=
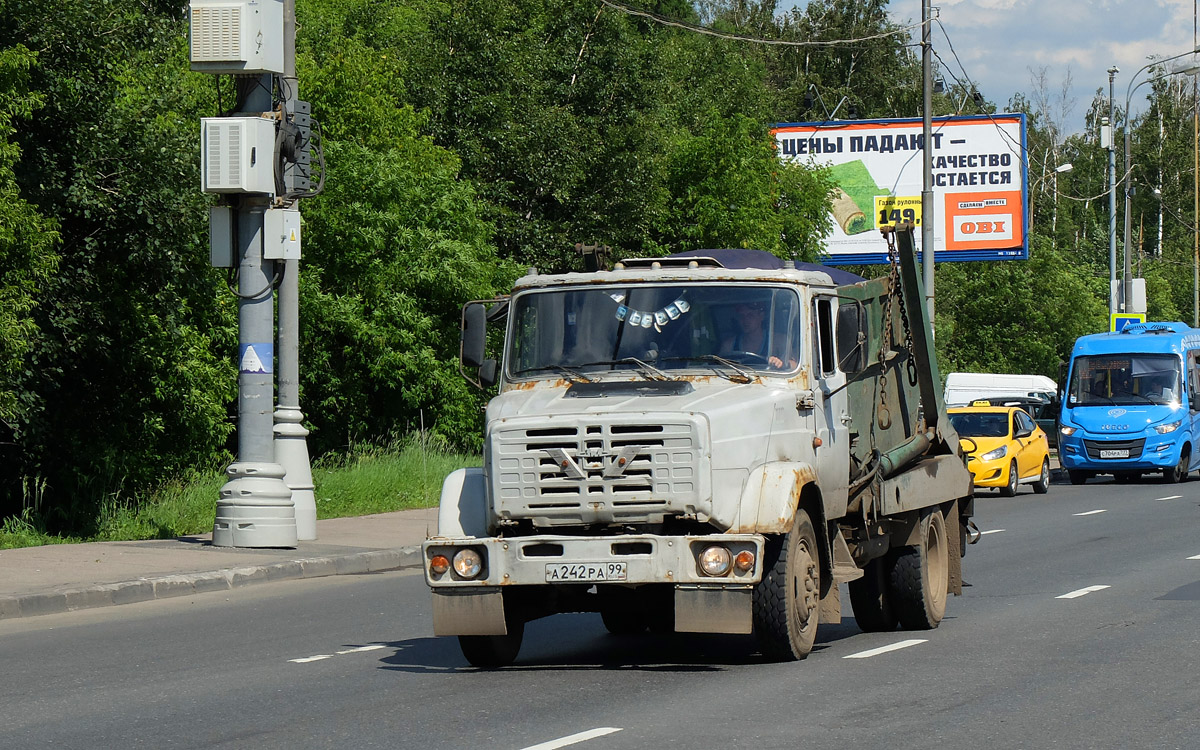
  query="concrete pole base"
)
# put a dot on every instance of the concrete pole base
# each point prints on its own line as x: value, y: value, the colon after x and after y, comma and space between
x: 255, y: 508
x: 291, y: 451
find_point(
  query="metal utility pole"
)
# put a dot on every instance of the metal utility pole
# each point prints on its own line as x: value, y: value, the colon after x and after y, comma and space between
x: 927, y: 210
x: 254, y: 508
x: 291, y: 450
x: 1112, y: 193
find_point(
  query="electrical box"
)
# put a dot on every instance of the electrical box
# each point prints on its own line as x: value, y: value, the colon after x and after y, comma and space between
x: 220, y: 236
x: 237, y: 155
x: 281, y: 234
x: 1105, y: 134
x: 236, y: 36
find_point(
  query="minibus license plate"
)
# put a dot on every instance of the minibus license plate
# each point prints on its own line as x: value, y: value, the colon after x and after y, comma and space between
x: 590, y: 571
x: 1114, y: 454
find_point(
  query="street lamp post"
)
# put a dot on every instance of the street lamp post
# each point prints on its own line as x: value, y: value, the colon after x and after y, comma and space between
x: 1127, y: 280
x: 1112, y: 193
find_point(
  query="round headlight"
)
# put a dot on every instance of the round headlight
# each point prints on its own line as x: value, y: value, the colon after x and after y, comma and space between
x: 715, y: 561
x: 467, y: 563
x: 744, y: 561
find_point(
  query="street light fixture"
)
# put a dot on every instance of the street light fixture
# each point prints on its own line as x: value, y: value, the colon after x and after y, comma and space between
x: 1127, y: 281
x: 1060, y: 169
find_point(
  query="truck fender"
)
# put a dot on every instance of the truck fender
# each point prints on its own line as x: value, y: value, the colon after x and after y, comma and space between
x: 770, y: 497
x: 463, y: 508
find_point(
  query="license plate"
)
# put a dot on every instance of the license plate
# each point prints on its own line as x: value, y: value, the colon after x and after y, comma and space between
x: 1114, y: 454
x: 592, y: 571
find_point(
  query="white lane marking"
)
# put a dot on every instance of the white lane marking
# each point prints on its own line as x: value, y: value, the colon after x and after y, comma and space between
x: 1090, y: 513
x: 1082, y: 592
x: 1171, y: 497
x: 885, y: 649
x: 307, y: 659
x: 992, y: 531
x: 1194, y: 557
x: 590, y: 734
x: 372, y: 647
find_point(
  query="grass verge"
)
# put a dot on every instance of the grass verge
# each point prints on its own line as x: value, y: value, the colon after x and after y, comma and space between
x: 368, y: 479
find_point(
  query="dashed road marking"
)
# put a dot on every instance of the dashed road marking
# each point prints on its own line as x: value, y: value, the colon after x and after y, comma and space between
x: 1090, y: 513
x: 1194, y: 557
x: 991, y: 531
x: 343, y: 652
x: 885, y: 649
x: 590, y: 734
x: 1171, y: 497
x: 1081, y: 592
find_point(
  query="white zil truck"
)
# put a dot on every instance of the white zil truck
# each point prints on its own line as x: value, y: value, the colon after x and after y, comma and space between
x: 709, y: 442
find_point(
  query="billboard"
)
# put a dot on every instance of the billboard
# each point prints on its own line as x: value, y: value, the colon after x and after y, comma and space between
x: 979, y: 183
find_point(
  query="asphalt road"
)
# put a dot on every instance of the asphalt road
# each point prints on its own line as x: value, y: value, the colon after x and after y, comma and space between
x: 1080, y: 629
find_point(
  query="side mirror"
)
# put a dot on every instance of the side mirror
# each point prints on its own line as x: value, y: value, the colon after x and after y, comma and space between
x: 474, y: 335
x: 851, y: 338
x: 487, y: 373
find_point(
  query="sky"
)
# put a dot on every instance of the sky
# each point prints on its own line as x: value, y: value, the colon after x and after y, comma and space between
x: 1003, y: 44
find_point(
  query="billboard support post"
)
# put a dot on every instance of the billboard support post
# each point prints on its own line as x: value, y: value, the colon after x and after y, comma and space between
x: 927, y: 209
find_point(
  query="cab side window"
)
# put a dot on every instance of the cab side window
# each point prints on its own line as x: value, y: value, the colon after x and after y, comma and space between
x: 825, y: 336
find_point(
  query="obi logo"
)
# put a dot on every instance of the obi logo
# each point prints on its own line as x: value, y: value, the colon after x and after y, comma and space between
x: 983, y: 227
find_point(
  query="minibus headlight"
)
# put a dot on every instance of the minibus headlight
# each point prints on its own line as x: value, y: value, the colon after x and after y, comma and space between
x: 1067, y: 430
x: 1163, y: 429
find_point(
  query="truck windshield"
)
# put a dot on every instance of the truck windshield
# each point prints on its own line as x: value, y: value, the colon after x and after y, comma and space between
x: 1104, y: 380
x: 672, y: 327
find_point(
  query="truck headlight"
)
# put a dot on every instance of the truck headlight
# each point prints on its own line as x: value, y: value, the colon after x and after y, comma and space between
x: 1066, y: 430
x: 467, y: 563
x: 1162, y: 429
x: 1000, y: 452
x: 715, y: 561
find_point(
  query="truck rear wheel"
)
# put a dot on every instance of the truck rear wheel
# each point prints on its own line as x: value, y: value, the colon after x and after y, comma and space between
x: 787, y: 600
x: 921, y: 576
x: 493, y: 651
x: 870, y: 598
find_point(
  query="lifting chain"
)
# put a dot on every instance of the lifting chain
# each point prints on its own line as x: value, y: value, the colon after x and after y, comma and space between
x: 883, y: 414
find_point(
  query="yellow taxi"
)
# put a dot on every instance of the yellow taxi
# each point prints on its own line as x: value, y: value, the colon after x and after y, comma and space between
x: 1006, y: 448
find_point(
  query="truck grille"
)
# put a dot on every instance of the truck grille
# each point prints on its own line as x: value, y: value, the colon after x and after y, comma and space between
x: 1133, y: 446
x: 600, y: 471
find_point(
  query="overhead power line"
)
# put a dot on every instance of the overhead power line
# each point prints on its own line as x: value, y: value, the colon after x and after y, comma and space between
x: 665, y: 21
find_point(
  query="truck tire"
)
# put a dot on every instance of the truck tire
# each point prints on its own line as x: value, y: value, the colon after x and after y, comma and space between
x: 921, y: 576
x: 493, y: 651
x: 786, y: 601
x: 1042, y: 485
x: 870, y: 598
x: 1010, y: 489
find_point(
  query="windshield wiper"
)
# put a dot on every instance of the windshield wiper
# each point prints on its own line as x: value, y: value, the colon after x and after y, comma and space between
x: 742, y: 374
x: 573, y: 375
x: 647, y: 370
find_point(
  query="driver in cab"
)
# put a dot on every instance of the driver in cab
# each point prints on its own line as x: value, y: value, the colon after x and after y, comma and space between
x: 751, y: 336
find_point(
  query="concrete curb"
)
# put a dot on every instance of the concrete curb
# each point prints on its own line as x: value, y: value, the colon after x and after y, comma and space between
x: 187, y: 584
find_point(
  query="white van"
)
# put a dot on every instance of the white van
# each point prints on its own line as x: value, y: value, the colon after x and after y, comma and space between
x: 964, y: 387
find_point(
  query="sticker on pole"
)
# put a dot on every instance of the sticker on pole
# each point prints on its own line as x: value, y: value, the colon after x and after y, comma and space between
x: 257, y: 359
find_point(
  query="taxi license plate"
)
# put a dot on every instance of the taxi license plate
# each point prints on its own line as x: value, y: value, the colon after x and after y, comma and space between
x: 585, y: 572
x: 1114, y: 454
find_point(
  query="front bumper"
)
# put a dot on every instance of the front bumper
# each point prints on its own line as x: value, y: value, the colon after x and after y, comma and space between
x: 990, y: 473
x: 1146, y: 451
x: 528, y: 565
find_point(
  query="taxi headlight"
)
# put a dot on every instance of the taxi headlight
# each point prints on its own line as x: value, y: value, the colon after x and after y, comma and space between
x: 715, y: 561
x: 992, y: 455
x: 1162, y: 429
x: 467, y: 563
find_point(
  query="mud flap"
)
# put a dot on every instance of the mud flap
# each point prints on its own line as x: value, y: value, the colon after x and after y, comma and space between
x: 954, y: 554
x: 831, y: 606
x: 474, y: 611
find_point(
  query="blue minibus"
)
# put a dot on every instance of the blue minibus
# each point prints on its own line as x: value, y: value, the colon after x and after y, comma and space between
x: 1132, y: 403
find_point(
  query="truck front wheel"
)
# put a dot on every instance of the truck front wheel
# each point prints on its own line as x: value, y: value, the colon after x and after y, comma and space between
x: 921, y: 575
x: 786, y: 600
x: 493, y: 651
